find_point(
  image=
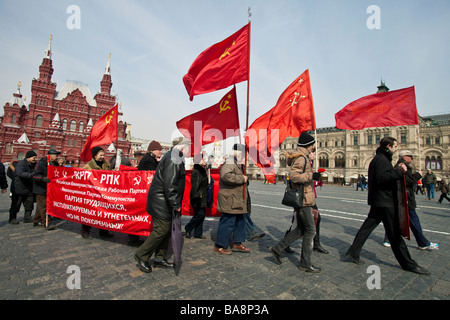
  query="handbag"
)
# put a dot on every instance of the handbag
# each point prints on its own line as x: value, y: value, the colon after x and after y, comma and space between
x: 294, y: 197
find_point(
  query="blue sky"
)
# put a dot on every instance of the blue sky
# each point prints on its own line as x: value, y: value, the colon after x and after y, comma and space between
x: 153, y: 44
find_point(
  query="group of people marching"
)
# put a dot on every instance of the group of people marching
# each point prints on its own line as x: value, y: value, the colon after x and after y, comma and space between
x: 164, y: 201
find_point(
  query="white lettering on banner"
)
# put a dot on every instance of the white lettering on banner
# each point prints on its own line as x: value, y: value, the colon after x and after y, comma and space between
x: 109, y: 179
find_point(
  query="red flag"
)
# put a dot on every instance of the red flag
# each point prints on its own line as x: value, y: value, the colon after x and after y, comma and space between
x: 384, y: 109
x: 221, y: 65
x: 215, y: 123
x: 293, y: 114
x: 103, y: 132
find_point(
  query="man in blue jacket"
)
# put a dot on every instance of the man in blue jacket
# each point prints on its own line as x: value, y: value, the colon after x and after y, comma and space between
x: 383, y: 202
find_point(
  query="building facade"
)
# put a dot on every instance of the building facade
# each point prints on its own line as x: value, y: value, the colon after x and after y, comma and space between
x: 62, y: 119
x: 345, y: 154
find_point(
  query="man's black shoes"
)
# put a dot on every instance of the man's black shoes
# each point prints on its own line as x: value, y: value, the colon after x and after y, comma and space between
x: 144, y: 266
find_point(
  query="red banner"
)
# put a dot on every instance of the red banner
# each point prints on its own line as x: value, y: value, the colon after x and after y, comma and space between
x: 105, y: 199
x: 111, y: 200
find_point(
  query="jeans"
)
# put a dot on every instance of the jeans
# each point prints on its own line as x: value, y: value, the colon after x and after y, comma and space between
x: 249, y: 226
x: 230, y: 226
x: 305, y: 222
x: 414, y: 224
x: 391, y: 225
x: 196, y: 223
x: 430, y: 191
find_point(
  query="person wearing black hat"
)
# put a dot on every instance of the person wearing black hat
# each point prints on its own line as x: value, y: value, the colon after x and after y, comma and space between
x: 40, y: 181
x: 301, y: 173
x: 23, y: 188
x: 97, y: 162
x: 152, y: 157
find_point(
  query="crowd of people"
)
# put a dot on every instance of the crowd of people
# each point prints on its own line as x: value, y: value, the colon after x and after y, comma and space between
x: 164, y: 201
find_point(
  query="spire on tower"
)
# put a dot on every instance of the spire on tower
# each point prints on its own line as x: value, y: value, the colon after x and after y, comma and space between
x: 48, y: 52
x: 108, y: 66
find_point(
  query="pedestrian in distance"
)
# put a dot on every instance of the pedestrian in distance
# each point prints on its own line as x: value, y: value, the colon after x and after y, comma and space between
x: 301, y: 173
x: 23, y: 188
x: 3, y: 181
x: 411, y: 176
x: 444, y: 190
x: 429, y: 181
x: 233, y: 201
x: 40, y: 187
x: 359, y: 183
x: 164, y: 198
x: 383, y: 201
x: 97, y: 162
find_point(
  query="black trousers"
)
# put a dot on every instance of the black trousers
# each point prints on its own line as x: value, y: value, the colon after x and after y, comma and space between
x: 389, y: 217
x: 16, y: 201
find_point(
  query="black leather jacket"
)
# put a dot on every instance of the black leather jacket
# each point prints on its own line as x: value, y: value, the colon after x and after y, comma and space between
x: 167, y: 188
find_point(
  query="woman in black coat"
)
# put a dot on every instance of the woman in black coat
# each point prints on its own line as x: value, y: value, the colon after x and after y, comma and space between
x: 198, y: 197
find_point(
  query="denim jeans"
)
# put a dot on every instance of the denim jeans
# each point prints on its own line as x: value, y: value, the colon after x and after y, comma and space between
x: 249, y: 226
x: 414, y: 224
x: 305, y: 222
x: 430, y: 191
x: 231, y: 226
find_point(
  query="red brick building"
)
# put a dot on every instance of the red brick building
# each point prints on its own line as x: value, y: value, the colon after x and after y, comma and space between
x: 62, y: 119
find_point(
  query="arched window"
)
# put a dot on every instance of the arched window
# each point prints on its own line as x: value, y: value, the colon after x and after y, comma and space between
x: 64, y: 125
x: 39, y: 120
x: 81, y: 126
x: 73, y: 125
x: 323, y: 162
x: 339, y: 161
x: 433, y: 163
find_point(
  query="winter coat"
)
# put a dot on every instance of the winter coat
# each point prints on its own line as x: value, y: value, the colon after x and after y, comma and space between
x: 299, y: 174
x: 23, y: 177
x: 167, y: 188
x: 429, y: 178
x: 148, y: 162
x: 3, y: 181
x: 10, y: 174
x: 92, y: 165
x: 444, y: 187
x: 410, y: 179
x: 40, y: 186
x: 231, y: 198
x: 383, y: 180
x: 199, y: 187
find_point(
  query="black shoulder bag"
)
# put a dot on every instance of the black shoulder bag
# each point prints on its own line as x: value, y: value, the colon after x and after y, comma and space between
x: 294, y: 197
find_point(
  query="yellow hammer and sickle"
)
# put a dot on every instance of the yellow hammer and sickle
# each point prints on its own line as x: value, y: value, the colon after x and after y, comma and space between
x: 109, y: 118
x: 226, y: 53
x: 224, y: 105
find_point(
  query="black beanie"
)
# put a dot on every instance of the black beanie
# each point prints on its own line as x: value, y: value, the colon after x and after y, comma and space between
x: 96, y: 150
x: 30, y: 154
x: 305, y: 140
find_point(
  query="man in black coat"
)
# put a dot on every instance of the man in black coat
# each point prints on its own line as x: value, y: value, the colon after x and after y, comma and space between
x: 152, y: 157
x: 383, y: 202
x: 40, y: 186
x: 23, y: 188
x: 3, y: 181
x: 164, y: 197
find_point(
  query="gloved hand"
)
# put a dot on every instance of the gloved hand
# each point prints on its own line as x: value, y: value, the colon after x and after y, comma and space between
x: 45, y: 179
x: 316, y: 176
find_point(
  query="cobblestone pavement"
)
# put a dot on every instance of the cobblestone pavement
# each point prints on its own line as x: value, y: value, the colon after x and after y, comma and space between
x: 34, y: 262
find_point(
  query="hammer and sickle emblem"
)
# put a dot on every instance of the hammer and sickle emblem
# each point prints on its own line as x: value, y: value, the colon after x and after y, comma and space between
x: 224, y: 105
x: 137, y: 180
x: 226, y: 52
x: 109, y: 118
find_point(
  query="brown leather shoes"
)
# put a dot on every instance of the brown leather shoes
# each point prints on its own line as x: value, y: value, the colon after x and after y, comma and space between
x: 240, y: 248
x: 221, y: 250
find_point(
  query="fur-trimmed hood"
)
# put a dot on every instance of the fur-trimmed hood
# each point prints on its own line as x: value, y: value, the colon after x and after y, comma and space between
x: 294, y: 154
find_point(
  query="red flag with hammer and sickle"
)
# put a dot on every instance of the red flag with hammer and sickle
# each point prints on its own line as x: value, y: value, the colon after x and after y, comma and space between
x: 103, y: 132
x: 293, y: 114
x: 215, y: 123
x: 221, y: 65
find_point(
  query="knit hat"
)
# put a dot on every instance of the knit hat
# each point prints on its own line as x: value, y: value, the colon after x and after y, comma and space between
x: 96, y: 150
x: 239, y: 147
x: 154, y: 145
x: 30, y: 154
x: 305, y: 140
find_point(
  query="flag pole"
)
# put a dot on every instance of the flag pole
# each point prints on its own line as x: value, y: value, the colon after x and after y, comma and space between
x: 317, y: 151
x: 418, y: 139
x: 248, y: 95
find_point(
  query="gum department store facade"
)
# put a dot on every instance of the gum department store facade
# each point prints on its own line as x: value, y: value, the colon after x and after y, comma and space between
x: 62, y: 119
x: 347, y: 153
